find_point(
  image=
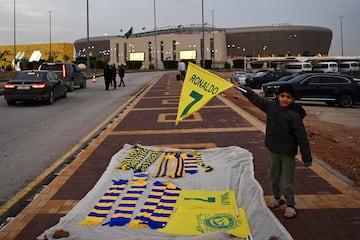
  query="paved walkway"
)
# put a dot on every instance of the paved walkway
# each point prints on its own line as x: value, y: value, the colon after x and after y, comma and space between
x: 328, y: 208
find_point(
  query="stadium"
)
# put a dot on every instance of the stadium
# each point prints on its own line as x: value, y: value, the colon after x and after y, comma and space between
x: 221, y: 45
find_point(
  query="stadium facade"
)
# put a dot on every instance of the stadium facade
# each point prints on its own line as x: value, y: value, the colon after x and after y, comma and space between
x: 220, y: 44
x: 152, y: 48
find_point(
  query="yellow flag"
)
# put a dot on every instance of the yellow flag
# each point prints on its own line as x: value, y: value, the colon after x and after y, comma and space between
x: 199, y: 87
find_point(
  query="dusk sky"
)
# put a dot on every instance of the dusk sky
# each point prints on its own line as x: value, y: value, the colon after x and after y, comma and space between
x: 69, y: 18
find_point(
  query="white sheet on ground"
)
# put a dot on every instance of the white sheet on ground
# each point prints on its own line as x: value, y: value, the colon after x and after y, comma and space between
x: 233, y: 169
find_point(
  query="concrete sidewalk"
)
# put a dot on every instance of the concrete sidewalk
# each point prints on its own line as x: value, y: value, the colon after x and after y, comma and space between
x: 328, y: 208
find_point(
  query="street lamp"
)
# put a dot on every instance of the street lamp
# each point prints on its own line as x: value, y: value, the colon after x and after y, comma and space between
x: 213, y: 40
x: 87, y: 36
x: 341, y: 33
x: 155, y: 33
x: 14, y: 33
x: 50, y: 55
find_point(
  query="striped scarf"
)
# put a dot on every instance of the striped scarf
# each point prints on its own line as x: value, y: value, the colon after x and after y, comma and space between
x: 171, y: 165
x: 104, y: 205
x: 139, y: 159
x: 142, y: 218
x: 123, y: 213
x: 133, y: 158
x: 190, y: 162
x: 164, y: 209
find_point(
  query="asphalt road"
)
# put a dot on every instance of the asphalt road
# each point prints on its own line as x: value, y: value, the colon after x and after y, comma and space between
x: 34, y: 136
x: 346, y: 116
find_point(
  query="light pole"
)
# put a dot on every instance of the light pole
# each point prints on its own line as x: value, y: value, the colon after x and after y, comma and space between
x: 87, y: 37
x: 156, y: 62
x: 14, y: 33
x: 213, y: 40
x: 50, y: 55
x: 341, y: 34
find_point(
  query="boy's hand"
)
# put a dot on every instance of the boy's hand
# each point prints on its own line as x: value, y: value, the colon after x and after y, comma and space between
x: 307, y: 164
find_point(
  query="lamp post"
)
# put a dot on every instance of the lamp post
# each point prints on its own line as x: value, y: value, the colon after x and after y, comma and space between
x: 155, y: 33
x: 14, y: 32
x: 341, y: 34
x: 50, y: 55
x: 213, y: 40
x: 87, y: 37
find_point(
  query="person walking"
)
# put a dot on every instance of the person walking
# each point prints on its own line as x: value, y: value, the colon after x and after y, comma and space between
x: 113, y: 75
x: 285, y: 132
x: 107, y: 76
x: 121, y: 75
x: 182, y: 69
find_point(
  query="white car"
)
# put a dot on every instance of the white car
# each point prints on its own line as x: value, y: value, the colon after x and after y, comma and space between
x: 240, y: 77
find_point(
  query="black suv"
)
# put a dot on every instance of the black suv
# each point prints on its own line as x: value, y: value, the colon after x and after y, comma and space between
x: 69, y: 72
x: 264, y: 77
x: 332, y: 88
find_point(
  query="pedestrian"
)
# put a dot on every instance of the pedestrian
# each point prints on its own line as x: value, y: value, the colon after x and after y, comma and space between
x: 113, y: 75
x: 182, y: 69
x: 121, y: 75
x: 285, y: 132
x: 107, y: 76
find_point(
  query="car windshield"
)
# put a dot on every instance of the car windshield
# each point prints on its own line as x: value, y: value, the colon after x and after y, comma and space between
x: 30, y: 76
x: 285, y: 79
x: 298, y: 78
x: 55, y: 67
x: 260, y: 74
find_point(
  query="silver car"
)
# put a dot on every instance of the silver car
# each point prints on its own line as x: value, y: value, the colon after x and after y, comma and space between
x: 240, y: 77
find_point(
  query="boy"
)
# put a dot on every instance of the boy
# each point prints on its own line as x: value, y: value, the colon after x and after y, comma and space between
x: 285, y: 131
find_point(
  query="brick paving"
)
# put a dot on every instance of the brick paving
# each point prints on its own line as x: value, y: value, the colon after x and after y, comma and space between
x: 328, y: 208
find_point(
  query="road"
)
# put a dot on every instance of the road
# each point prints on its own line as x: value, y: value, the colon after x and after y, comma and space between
x: 345, y: 116
x: 34, y: 136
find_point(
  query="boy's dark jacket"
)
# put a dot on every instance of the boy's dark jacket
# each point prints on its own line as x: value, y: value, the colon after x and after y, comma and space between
x: 285, y: 130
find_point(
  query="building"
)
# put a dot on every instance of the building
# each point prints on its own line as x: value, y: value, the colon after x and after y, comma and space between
x: 221, y: 44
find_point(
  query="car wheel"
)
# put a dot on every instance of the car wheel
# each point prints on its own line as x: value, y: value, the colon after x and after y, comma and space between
x: 65, y: 92
x: 346, y: 100
x: 11, y: 102
x: 51, y: 98
x: 71, y: 86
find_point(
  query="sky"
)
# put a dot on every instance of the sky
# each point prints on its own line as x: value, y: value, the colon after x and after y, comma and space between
x: 67, y: 19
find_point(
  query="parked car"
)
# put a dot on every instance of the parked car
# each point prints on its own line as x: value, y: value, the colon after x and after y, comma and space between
x: 264, y: 77
x: 240, y: 77
x: 69, y: 72
x: 34, y: 85
x: 285, y: 78
x: 325, y: 87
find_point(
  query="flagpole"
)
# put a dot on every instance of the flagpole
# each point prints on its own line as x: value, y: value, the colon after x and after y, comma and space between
x: 203, y: 35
